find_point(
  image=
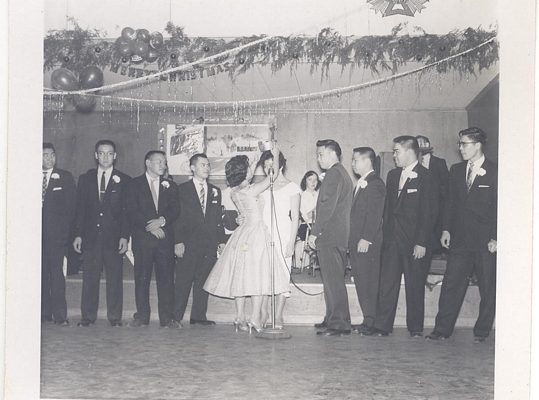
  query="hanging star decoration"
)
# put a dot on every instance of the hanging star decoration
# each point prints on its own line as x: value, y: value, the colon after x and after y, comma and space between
x: 397, y: 7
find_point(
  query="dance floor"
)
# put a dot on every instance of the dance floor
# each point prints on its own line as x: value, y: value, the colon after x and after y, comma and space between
x: 101, y: 362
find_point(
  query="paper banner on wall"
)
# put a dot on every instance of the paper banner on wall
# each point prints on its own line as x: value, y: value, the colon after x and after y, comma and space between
x: 182, y: 142
x: 228, y: 140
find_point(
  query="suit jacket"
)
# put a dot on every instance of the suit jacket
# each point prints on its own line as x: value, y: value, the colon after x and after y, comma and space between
x: 141, y: 209
x: 367, y: 212
x: 198, y: 231
x: 332, y: 224
x: 471, y: 217
x: 109, y: 217
x: 409, y: 218
x: 58, y: 208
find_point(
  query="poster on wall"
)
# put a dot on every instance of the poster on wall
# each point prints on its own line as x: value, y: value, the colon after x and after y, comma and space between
x: 229, y: 140
x: 182, y: 142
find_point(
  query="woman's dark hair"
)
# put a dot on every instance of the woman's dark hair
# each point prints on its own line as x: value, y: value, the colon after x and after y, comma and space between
x: 268, y: 155
x: 236, y: 170
x: 307, y: 175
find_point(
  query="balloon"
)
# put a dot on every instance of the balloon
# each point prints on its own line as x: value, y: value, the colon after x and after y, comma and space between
x: 124, y: 49
x: 143, y: 34
x: 152, y: 55
x: 128, y: 33
x: 84, y: 103
x: 64, y: 79
x: 91, y: 77
x: 140, y: 48
x: 156, y: 40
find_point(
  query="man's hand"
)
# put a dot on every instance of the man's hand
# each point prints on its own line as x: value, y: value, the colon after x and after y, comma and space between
x: 240, y: 219
x: 179, y: 250
x: 77, y: 244
x: 122, y: 246
x: 492, y: 246
x: 154, y: 224
x: 363, y: 246
x: 158, y: 233
x: 419, y: 252
x: 445, y: 240
x: 312, y: 242
x: 220, y: 248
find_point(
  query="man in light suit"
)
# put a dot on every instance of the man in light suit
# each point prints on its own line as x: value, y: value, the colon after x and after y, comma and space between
x: 469, y: 232
x: 410, y: 210
x: 102, y: 230
x: 199, y: 236
x: 57, y: 207
x: 329, y: 237
x: 153, y: 208
x: 366, y: 234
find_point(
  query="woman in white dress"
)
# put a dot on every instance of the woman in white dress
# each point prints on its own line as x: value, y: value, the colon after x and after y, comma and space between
x: 244, y: 268
x: 309, y: 196
x: 286, y: 195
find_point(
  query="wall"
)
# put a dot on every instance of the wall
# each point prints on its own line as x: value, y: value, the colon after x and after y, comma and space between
x: 74, y: 134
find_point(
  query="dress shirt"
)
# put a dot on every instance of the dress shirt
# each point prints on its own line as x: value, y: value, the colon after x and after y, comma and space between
x: 362, y: 179
x: 405, y: 174
x: 155, y: 182
x: 476, y: 166
x: 425, y: 160
x: 198, y: 186
x: 49, y: 173
x: 108, y: 174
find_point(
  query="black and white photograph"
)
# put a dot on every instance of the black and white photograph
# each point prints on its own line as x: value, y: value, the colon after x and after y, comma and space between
x: 269, y: 200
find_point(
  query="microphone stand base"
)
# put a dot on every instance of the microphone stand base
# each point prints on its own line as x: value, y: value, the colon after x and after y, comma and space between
x: 273, y: 334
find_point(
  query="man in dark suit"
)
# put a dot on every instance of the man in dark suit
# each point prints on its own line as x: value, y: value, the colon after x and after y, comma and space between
x: 58, y: 203
x: 102, y: 230
x: 410, y: 210
x: 469, y: 232
x: 329, y: 236
x: 366, y: 234
x: 199, y: 235
x: 440, y: 174
x: 153, y: 208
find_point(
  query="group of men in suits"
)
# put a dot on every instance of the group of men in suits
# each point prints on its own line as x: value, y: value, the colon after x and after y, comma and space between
x: 392, y: 230
x: 104, y: 211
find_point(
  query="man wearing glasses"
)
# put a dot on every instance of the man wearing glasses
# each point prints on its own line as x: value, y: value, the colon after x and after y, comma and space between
x: 469, y: 232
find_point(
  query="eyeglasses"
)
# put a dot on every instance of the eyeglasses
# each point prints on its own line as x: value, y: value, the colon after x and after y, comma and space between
x: 464, y: 143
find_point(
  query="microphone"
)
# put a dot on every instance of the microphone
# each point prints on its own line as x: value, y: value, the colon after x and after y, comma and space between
x: 271, y: 171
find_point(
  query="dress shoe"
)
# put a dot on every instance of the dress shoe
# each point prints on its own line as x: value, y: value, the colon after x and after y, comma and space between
x: 479, y: 339
x: 378, y: 332
x: 85, y: 323
x: 65, y: 322
x: 138, y: 323
x: 435, y: 335
x: 172, y: 325
x: 201, y: 322
x: 416, y: 334
x: 333, y: 332
x: 46, y: 318
x: 116, y: 323
x: 321, y: 325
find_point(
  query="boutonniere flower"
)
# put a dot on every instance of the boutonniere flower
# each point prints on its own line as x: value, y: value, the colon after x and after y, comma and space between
x: 412, y: 175
x: 55, y: 175
x: 165, y: 184
x: 214, y: 192
x: 363, y: 184
x: 116, y: 178
x: 322, y: 176
x: 481, y: 172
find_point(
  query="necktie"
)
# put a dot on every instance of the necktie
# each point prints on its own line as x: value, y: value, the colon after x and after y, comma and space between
x: 44, y: 186
x: 203, y: 199
x: 154, y: 194
x: 469, y: 179
x: 102, y: 187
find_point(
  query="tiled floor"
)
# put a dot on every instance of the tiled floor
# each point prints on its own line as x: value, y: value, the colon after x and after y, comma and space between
x: 101, y: 362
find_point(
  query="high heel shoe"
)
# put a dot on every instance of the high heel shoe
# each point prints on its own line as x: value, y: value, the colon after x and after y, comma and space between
x: 240, y: 326
x: 252, y: 326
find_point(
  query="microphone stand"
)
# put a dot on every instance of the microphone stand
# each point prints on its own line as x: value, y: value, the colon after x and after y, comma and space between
x: 272, y: 333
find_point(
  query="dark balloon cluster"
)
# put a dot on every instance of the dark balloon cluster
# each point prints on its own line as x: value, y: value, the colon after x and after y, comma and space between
x: 89, y: 78
x: 138, y: 45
